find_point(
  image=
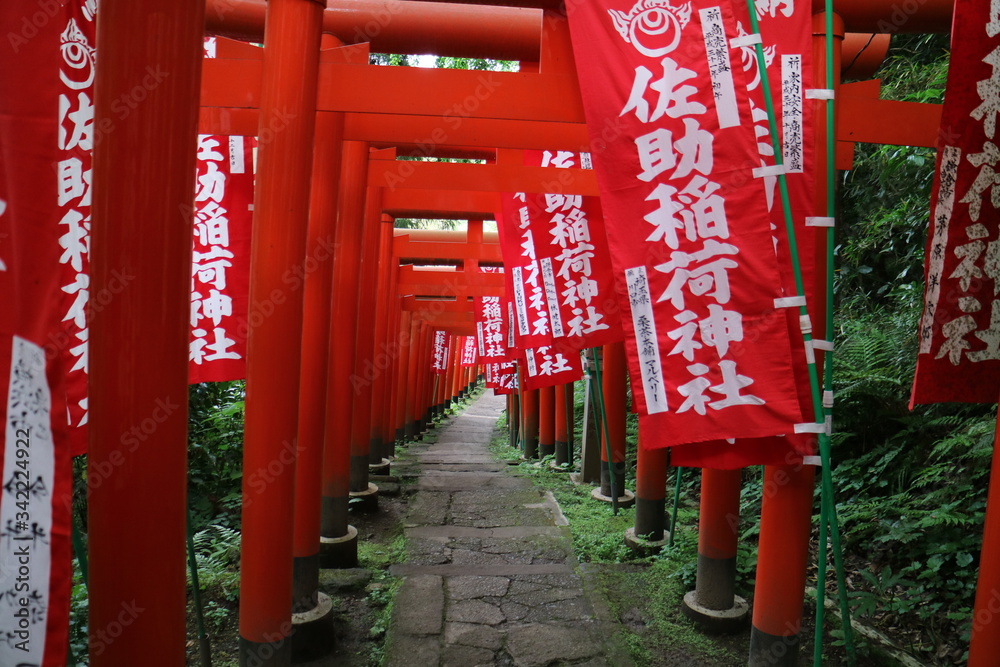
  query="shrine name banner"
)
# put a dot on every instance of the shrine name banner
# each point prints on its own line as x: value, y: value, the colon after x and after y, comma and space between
x: 550, y: 365
x: 220, y: 268
x: 470, y: 352
x: 689, y: 229
x: 786, y: 36
x: 959, y: 354
x: 439, y: 352
x: 571, y: 249
x: 45, y: 108
x: 523, y: 280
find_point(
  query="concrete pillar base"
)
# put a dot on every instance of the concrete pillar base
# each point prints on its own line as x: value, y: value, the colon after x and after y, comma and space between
x: 367, y: 500
x: 642, y: 546
x: 627, y: 499
x: 380, y: 468
x: 717, y: 621
x: 339, y: 552
x: 312, y: 631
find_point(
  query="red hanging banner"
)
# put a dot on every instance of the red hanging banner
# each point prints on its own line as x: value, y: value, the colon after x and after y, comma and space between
x: 550, y: 365
x: 220, y: 271
x: 786, y: 34
x: 691, y: 239
x: 469, y: 351
x: 45, y: 107
x: 439, y: 358
x: 504, y: 378
x: 571, y: 249
x: 959, y: 354
x: 523, y: 275
x: 489, y: 328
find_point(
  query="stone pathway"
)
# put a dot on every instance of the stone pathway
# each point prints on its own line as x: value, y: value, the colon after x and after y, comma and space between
x: 490, y: 577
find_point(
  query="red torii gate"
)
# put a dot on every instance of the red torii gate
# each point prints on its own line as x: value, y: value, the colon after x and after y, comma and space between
x: 153, y: 141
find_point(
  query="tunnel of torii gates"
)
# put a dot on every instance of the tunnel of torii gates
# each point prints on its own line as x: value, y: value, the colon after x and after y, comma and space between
x: 310, y: 87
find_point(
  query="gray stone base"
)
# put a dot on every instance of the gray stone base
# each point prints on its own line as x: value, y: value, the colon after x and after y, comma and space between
x: 717, y: 621
x: 312, y: 631
x: 368, y: 499
x: 773, y: 651
x: 380, y: 468
x: 644, y: 547
x: 625, y: 500
x: 339, y: 552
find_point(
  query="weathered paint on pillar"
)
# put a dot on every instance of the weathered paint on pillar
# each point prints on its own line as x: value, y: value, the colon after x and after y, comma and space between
x: 143, y: 189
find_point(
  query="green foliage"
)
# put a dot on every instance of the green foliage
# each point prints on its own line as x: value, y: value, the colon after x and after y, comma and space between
x: 482, y: 64
x: 215, y: 452
x: 217, y: 553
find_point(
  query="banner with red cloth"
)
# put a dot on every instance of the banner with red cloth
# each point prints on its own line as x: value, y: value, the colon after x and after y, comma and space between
x: 959, y: 353
x: 524, y: 285
x: 571, y: 249
x: 439, y: 352
x: 786, y: 36
x: 550, y: 365
x: 470, y: 351
x: 46, y: 128
x: 691, y: 237
x: 220, y: 270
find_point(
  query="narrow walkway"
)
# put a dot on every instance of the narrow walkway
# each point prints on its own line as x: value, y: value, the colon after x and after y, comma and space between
x: 490, y: 578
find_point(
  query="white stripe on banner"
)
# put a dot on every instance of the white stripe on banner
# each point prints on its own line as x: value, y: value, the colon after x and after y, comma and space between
x: 520, y: 306
x: 552, y: 298
x: 237, y: 157
x: 26, y: 509
x: 480, y: 340
x: 532, y: 367
x: 950, y: 158
x: 510, y: 324
x: 792, y: 151
x: 719, y: 67
x: 645, y: 340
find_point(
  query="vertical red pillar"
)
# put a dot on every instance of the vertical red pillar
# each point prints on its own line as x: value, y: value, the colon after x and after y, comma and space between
x: 338, y: 542
x: 713, y: 603
x: 317, y: 294
x: 412, y: 375
x: 281, y: 207
x: 650, y: 494
x: 613, y: 390
x: 143, y: 184
x: 406, y: 375
x: 782, y: 557
x: 546, y: 421
x: 381, y: 366
x: 514, y: 418
x: 364, y: 350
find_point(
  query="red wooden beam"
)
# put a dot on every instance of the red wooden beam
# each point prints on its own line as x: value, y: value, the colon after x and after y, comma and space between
x: 480, y: 177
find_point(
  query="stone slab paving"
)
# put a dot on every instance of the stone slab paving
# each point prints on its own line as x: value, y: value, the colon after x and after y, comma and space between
x: 490, y: 577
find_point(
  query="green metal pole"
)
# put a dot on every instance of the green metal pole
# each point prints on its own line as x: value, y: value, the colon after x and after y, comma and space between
x: 826, y: 496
